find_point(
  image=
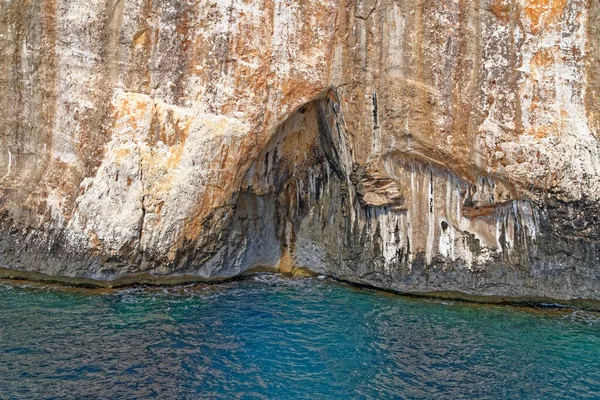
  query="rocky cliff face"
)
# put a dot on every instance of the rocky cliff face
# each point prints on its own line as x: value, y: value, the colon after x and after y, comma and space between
x: 412, y: 145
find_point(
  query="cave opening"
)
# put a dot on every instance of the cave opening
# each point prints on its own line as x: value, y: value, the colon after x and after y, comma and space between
x: 296, y: 196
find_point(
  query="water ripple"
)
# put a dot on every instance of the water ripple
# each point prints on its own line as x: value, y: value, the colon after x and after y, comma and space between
x: 272, y: 337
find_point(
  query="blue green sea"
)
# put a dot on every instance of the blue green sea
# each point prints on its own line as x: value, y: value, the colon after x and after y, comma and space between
x: 270, y: 337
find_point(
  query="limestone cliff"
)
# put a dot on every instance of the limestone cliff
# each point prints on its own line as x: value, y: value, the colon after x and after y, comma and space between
x: 430, y: 145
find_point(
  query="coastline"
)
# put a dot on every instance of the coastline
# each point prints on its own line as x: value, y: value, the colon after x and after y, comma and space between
x: 143, y: 279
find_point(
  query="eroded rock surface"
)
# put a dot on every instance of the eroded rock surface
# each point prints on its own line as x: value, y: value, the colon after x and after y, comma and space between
x: 411, y: 145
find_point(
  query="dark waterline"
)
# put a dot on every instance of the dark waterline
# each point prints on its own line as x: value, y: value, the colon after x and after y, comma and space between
x: 271, y: 337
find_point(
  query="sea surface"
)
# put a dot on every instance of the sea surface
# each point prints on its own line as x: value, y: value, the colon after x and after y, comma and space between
x: 277, y: 338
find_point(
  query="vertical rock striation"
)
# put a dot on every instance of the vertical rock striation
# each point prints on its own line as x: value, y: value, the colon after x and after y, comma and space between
x: 411, y: 145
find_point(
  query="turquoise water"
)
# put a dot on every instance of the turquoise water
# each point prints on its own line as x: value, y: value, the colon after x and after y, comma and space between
x: 276, y: 338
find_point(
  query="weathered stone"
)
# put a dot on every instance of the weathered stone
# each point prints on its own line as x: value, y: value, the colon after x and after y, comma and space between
x: 412, y: 145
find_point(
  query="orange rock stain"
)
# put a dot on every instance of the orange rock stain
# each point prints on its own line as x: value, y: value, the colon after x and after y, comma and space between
x: 543, y: 13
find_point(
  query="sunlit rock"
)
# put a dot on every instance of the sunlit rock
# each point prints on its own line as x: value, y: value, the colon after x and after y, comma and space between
x: 412, y: 145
